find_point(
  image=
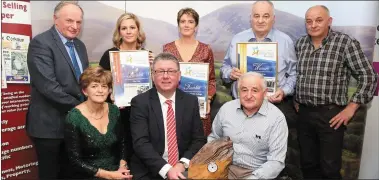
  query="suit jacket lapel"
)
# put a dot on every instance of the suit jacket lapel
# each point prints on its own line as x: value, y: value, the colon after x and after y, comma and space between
x: 62, y: 48
x: 179, y: 112
x: 157, y: 108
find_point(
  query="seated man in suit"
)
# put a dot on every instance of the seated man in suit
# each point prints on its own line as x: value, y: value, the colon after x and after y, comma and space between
x: 257, y: 128
x: 165, y: 125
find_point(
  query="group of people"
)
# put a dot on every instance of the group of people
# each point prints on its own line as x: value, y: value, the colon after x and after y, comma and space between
x: 78, y: 132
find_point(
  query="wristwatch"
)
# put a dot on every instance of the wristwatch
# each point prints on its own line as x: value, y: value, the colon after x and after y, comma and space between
x: 184, y: 164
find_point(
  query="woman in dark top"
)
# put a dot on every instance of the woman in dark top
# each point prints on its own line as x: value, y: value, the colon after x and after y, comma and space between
x: 128, y: 35
x: 94, y: 134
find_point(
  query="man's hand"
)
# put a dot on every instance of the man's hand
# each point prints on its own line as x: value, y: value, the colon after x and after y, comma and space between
x: 296, y: 105
x: 235, y: 74
x: 176, y: 172
x: 344, y: 116
x: 180, y: 167
x: 277, y: 97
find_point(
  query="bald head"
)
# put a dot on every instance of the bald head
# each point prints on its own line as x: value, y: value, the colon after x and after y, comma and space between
x: 318, y: 22
x: 319, y: 8
x: 262, y: 18
x: 259, y: 4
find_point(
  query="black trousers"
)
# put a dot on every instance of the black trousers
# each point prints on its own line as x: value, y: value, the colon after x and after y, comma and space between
x: 320, y: 145
x: 288, y: 109
x: 52, y: 158
x: 292, y: 161
x: 125, y: 116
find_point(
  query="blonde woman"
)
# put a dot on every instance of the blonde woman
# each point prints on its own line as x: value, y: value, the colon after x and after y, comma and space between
x: 128, y: 35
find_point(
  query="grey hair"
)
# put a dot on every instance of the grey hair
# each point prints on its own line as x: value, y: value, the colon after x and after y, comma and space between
x: 321, y: 6
x: 252, y: 74
x: 269, y: 2
x: 61, y: 4
x: 166, y: 57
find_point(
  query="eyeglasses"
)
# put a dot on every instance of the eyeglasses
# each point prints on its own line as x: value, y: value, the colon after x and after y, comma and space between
x: 162, y: 72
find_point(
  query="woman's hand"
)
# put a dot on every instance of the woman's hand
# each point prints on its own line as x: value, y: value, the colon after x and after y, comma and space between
x: 120, y: 174
x: 151, y: 58
x: 208, y: 110
x: 209, y: 107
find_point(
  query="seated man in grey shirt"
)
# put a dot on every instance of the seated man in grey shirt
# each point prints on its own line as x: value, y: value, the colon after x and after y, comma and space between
x: 257, y: 128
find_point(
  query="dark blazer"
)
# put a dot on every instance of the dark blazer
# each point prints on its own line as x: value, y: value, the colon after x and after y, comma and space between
x: 147, y: 128
x: 54, y: 88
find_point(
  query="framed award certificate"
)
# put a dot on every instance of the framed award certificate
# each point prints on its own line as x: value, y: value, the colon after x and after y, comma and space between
x: 261, y: 57
x: 194, y: 80
x: 131, y: 75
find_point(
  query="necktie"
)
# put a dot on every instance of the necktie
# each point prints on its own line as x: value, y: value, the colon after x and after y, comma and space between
x: 171, y: 135
x: 73, y: 59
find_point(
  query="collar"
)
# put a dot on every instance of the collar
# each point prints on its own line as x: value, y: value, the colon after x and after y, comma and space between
x: 162, y: 99
x: 325, y: 40
x: 64, y: 39
x: 263, y: 110
x: 269, y: 37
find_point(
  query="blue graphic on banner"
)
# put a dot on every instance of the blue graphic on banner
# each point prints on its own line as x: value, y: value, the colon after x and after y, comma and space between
x: 266, y: 67
x: 132, y: 74
x: 193, y: 86
x: 136, y: 74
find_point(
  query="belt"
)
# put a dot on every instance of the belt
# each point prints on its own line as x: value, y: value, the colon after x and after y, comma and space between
x: 321, y: 106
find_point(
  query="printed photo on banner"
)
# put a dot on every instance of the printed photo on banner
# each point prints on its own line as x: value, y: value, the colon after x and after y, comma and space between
x: 3, y: 77
x: 261, y: 57
x: 194, y: 80
x: 131, y: 75
x: 14, y: 55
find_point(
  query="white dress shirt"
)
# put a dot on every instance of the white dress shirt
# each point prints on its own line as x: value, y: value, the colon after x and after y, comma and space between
x: 164, y: 105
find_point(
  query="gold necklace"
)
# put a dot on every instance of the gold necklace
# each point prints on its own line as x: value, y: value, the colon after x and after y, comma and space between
x: 102, y: 115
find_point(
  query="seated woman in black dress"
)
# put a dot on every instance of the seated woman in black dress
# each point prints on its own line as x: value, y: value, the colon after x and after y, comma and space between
x: 94, y: 136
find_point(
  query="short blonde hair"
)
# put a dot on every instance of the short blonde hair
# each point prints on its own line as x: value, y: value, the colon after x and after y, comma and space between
x: 117, y: 40
x: 95, y: 74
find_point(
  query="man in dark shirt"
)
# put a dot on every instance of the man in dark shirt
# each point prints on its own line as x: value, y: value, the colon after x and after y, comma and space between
x: 326, y: 61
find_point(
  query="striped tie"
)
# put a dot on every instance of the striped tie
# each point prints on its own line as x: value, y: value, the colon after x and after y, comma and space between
x: 171, y: 135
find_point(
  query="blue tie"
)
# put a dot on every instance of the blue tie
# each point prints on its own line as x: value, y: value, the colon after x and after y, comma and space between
x: 73, y: 59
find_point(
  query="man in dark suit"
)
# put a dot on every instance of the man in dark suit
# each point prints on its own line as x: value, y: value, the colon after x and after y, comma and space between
x: 165, y: 125
x: 56, y: 58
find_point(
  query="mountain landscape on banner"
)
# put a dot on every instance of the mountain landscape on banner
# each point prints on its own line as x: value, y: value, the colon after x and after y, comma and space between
x: 216, y: 28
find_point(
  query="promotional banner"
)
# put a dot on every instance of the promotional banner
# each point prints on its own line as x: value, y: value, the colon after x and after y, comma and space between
x: 369, y: 165
x: 219, y: 22
x: 131, y: 74
x: 18, y: 159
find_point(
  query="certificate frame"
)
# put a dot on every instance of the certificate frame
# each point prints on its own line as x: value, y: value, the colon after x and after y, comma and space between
x: 261, y: 57
x: 131, y: 75
x: 195, y: 80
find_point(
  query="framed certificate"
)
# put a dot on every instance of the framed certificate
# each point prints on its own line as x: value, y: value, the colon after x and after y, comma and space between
x: 131, y: 75
x: 261, y: 57
x: 194, y: 80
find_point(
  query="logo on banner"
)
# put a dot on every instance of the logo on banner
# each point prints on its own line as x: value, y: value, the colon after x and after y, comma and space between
x: 255, y: 51
x: 188, y: 71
